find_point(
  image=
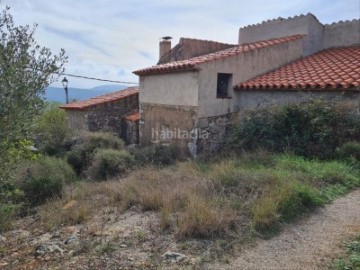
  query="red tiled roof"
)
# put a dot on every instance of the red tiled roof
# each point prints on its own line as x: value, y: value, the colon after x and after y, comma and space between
x: 328, y: 69
x: 133, y: 117
x: 114, y: 96
x: 191, y: 64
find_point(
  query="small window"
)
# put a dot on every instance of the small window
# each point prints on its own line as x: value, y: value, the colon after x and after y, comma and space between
x: 223, y: 84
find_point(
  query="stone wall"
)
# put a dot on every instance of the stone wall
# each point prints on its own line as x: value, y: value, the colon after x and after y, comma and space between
x: 213, y: 131
x: 132, y: 128
x: 77, y: 120
x: 180, y: 121
x: 106, y: 117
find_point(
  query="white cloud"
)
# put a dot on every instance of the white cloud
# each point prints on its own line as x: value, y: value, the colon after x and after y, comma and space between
x: 104, y: 37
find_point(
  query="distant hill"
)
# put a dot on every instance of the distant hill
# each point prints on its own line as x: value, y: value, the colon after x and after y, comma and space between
x: 57, y: 94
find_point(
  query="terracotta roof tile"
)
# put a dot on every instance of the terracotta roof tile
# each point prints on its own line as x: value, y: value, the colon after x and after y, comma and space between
x: 191, y: 64
x: 133, y: 117
x: 328, y: 69
x: 114, y: 96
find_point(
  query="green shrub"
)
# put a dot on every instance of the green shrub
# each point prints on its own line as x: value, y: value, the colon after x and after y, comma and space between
x: 8, y: 213
x: 166, y: 155
x: 312, y: 129
x: 43, y: 179
x: 349, y: 151
x: 52, y: 131
x: 157, y: 154
x: 109, y: 163
x: 80, y: 157
x: 302, y: 198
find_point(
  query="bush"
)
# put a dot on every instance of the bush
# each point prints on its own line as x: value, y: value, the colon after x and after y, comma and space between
x: 43, y: 179
x: 80, y: 157
x: 157, y: 154
x: 312, y: 129
x: 109, y: 163
x: 8, y: 213
x: 349, y: 151
x: 52, y: 131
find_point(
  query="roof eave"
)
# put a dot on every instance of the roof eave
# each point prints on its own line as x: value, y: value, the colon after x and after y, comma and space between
x: 84, y: 107
x: 175, y: 70
x: 350, y: 89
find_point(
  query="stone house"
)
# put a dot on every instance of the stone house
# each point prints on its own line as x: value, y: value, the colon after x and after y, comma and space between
x: 116, y: 112
x: 198, y: 85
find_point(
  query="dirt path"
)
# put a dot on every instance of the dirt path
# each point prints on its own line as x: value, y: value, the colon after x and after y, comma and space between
x: 309, y: 244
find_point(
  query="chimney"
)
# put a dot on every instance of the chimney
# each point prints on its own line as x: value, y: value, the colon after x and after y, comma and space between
x: 165, y: 46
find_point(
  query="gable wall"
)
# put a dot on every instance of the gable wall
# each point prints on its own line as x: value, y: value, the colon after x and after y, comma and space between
x: 168, y: 99
x: 243, y: 67
x: 170, y: 89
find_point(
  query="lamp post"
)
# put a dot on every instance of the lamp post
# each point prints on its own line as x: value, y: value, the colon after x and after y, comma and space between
x: 65, y: 85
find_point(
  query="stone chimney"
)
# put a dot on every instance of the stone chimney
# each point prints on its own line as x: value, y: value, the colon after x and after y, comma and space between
x: 165, y: 46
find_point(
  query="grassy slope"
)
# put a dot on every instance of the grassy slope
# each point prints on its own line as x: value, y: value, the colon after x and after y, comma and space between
x: 254, y: 193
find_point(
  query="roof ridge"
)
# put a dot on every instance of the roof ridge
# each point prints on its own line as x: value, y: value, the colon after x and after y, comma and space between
x: 206, y: 40
x: 108, y: 97
x: 279, y: 19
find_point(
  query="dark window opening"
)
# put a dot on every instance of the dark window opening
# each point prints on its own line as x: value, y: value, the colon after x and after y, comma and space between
x: 223, y: 84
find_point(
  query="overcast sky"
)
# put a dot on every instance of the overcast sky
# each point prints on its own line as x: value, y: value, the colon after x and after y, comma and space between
x: 111, y: 38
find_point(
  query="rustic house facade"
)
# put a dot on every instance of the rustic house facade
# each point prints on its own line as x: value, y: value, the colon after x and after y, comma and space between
x: 116, y: 112
x: 278, y: 61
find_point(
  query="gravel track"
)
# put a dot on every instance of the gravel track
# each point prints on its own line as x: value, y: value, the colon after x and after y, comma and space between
x: 311, y: 243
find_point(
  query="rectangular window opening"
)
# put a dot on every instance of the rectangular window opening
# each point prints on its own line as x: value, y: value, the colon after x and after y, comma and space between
x: 224, y: 81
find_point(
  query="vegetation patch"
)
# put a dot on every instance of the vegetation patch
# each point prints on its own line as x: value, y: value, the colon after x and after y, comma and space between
x: 314, y: 128
x: 81, y: 155
x: 254, y: 192
x: 351, y: 259
x: 43, y: 179
x: 52, y: 131
x: 108, y: 163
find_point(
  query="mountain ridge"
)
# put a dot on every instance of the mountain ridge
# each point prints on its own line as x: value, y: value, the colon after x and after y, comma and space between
x: 57, y: 94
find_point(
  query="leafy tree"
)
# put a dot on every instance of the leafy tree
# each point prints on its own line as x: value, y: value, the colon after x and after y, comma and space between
x: 26, y: 69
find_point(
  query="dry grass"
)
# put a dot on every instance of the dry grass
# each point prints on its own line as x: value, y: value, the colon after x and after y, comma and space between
x: 203, y: 218
x: 203, y: 199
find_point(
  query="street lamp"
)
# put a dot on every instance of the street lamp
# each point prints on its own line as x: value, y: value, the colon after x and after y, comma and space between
x: 65, y: 85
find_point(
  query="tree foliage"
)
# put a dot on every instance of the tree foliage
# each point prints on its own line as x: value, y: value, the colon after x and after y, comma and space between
x: 26, y: 69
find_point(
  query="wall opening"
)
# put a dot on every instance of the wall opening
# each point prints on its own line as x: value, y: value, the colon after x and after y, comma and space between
x: 223, y: 85
x: 165, y: 133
